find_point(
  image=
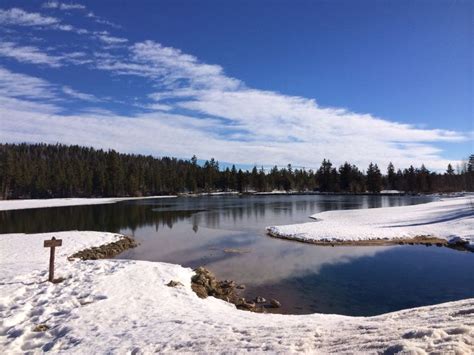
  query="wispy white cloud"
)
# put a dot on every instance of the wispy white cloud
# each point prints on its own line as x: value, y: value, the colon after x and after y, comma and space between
x: 173, y: 66
x: 25, y: 93
x: 10, y: 107
x: 78, y: 58
x: 276, y: 128
x: 70, y: 28
x: 25, y: 86
x: 28, y: 54
x: 101, y: 20
x: 36, y: 55
x: 159, y: 107
x: 111, y: 39
x: 79, y: 95
x: 169, y: 67
x: 63, y: 6
x: 20, y: 17
x: 56, y: 5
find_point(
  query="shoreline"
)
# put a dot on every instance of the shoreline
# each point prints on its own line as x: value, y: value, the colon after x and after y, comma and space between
x: 418, y: 240
x: 12, y: 205
x: 105, y: 251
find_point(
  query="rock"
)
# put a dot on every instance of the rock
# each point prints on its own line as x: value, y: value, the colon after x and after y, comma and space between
x: 241, y: 287
x: 200, y: 279
x: 243, y: 304
x: 199, y: 290
x: 457, y: 240
x: 205, y: 284
x: 173, y: 283
x: 275, y: 303
x: 201, y: 270
x: 227, y: 284
x: 106, y: 250
x: 260, y: 299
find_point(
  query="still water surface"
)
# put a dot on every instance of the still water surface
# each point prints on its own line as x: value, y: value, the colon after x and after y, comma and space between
x: 227, y: 235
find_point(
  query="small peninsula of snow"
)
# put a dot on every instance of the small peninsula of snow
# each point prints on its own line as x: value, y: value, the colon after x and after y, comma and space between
x: 124, y: 306
x: 447, y: 219
x: 6, y: 205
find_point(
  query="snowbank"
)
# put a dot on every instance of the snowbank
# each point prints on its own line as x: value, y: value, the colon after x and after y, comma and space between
x: 442, y: 219
x: 24, y: 253
x: 122, y: 306
x: 396, y: 192
x: 6, y: 205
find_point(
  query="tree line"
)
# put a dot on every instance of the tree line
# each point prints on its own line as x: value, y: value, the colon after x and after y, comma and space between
x: 46, y: 171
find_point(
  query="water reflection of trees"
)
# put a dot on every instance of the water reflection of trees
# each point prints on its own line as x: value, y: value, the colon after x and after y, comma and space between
x: 111, y: 218
x: 201, y: 212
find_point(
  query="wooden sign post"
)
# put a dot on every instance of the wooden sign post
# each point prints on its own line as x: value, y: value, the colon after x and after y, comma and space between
x: 53, y: 243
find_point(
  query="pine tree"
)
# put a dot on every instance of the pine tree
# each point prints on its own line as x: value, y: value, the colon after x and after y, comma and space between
x: 391, y: 177
x: 450, y: 170
x: 374, y: 178
x: 326, y: 176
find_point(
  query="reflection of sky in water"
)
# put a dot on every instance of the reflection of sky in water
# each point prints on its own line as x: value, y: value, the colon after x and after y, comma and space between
x: 306, y: 278
x: 213, y: 223
x: 263, y: 259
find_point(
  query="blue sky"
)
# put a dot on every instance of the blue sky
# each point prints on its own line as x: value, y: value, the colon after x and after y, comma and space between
x: 247, y: 82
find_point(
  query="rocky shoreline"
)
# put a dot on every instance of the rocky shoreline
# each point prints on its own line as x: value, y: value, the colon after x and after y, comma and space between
x: 205, y: 284
x: 105, y: 251
x: 418, y: 240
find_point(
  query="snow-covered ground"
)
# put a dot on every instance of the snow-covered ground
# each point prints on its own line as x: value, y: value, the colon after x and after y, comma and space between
x: 60, y: 202
x: 447, y: 219
x: 218, y: 193
x: 391, y: 192
x: 123, y: 306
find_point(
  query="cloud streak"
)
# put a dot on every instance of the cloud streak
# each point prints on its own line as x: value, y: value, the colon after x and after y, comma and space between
x: 112, y: 40
x: 26, y: 86
x: 20, y: 17
x: 79, y: 95
x: 28, y: 54
x: 62, y: 6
